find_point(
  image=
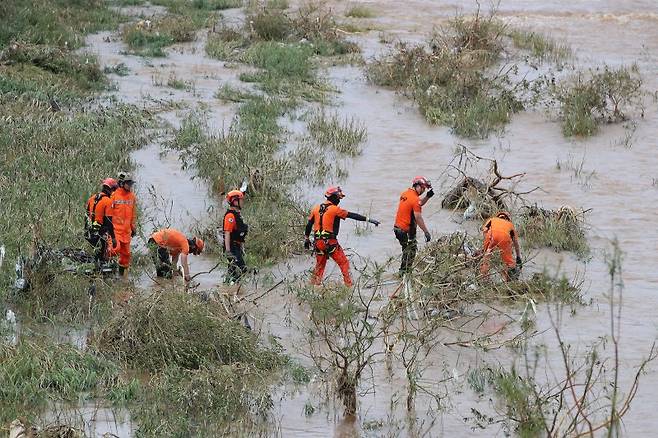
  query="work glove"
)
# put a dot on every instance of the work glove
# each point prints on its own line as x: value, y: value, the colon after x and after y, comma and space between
x: 374, y: 222
x: 428, y: 236
x: 519, y: 262
x: 187, y: 279
x: 430, y: 193
x: 307, y: 244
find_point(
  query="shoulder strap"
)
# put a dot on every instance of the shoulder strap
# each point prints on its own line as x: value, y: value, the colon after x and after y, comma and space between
x: 92, y: 211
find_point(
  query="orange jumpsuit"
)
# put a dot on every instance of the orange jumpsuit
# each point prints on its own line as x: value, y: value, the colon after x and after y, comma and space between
x: 498, y: 234
x: 173, y: 240
x: 124, y: 219
x: 326, y: 219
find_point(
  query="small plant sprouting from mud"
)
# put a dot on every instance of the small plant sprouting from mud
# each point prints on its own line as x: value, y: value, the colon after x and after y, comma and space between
x: 577, y: 170
x: 603, y: 95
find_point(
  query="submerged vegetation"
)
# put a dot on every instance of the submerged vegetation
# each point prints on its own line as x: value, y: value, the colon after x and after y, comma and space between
x: 600, y: 96
x: 449, y: 82
x: 187, y: 366
x: 563, y: 229
x: 283, y: 45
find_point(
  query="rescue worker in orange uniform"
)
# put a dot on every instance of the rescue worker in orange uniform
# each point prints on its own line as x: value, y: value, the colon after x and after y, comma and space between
x: 408, y: 217
x: 167, y: 245
x: 235, y: 233
x: 124, y: 219
x: 324, y: 221
x: 499, y: 234
x: 98, y: 221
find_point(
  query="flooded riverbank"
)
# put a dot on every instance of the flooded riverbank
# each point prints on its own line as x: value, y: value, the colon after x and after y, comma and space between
x: 616, y: 183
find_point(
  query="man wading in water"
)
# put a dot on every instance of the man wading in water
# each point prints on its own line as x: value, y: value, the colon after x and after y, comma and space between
x: 409, y: 215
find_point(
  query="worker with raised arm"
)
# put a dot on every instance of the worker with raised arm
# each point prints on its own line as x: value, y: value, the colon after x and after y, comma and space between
x: 408, y: 217
x: 500, y: 235
x: 235, y: 231
x: 167, y: 246
x: 124, y: 219
x: 99, y: 231
x: 324, y: 222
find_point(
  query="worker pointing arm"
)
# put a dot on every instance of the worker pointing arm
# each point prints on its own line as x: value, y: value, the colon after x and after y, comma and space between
x: 324, y: 221
x: 347, y: 214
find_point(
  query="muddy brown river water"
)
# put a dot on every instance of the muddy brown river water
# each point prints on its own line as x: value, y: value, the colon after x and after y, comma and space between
x: 622, y: 193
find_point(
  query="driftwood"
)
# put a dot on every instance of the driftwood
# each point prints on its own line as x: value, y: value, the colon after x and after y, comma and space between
x: 481, y: 198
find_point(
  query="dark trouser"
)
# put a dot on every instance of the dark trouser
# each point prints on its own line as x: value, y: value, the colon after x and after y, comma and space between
x: 161, y: 259
x: 99, y: 243
x: 236, y: 264
x: 409, y: 247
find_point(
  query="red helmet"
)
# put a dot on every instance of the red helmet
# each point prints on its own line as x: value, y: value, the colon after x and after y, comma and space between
x: 233, y: 195
x: 337, y: 191
x: 110, y: 182
x: 421, y: 181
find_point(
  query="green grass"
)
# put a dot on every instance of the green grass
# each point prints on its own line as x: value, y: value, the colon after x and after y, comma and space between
x: 343, y: 136
x: 270, y: 25
x: 41, y: 72
x: 206, y: 370
x: 164, y: 330
x: 358, y: 11
x: 36, y: 373
x: 540, y: 46
x: 229, y: 93
x: 562, y: 230
x: 61, y: 23
x: 84, y: 147
x: 192, y: 6
x: 164, y: 32
x: 602, y: 95
x: 449, y: 87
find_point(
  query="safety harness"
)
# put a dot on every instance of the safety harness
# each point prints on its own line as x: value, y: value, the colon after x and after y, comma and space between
x: 91, y: 210
x: 324, y: 235
x: 240, y: 233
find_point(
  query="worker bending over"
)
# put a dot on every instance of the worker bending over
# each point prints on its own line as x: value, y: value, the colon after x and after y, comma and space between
x: 324, y: 221
x: 124, y: 219
x: 98, y: 221
x: 167, y: 245
x: 409, y: 215
x: 499, y: 234
x: 235, y: 233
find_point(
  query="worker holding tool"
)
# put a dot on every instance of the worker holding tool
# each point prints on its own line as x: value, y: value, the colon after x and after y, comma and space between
x: 99, y: 231
x: 235, y: 231
x: 324, y: 221
x: 124, y: 219
x: 167, y: 246
x: 409, y: 215
x: 499, y: 234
